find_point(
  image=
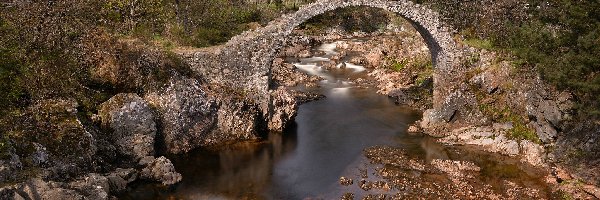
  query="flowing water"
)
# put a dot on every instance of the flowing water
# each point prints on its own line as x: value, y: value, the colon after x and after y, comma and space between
x: 325, y: 142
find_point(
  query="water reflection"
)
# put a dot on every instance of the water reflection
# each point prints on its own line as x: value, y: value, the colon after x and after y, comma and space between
x: 331, y: 137
x: 326, y: 142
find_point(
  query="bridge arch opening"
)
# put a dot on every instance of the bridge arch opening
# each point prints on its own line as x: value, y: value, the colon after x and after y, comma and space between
x: 384, y: 43
x: 438, y: 37
x: 427, y: 22
x: 370, y: 22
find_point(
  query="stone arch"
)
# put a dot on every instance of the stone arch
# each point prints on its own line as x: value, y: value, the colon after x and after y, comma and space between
x: 244, y: 63
x: 426, y: 21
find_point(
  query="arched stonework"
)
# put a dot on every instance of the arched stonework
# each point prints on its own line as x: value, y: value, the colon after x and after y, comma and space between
x: 244, y: 62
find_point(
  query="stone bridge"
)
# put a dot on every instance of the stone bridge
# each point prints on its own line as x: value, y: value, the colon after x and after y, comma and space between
x: 244, y: 63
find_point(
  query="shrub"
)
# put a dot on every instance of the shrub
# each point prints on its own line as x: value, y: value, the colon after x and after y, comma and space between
x: 560, y: 39
x: 350, y: 19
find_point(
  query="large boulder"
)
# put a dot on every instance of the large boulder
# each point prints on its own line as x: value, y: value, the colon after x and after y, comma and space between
x: 185, y: 113
x: 51, y: 136
x: 131, y: 121
x: 91, y: 186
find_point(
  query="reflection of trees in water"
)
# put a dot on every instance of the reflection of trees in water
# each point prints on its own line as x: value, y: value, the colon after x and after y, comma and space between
x: 241, y: 170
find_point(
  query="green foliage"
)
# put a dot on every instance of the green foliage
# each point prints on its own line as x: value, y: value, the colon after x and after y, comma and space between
x: 397, y: 65
x: 11, y: 70
x: 350, y: 19
x: 479, y: 43
x: 520, y: 130
x: 559, y: 38
x: 565, y: 48
x: 5, y: 147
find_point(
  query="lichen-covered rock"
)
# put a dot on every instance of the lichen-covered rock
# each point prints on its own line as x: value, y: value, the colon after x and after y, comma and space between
x: 92, y: 186
x: 51, y: 135
x: 237, y: 120
x: 39, y: 189
x: 284, y: 108
x: 185, y: 113
x: 40, y: 157
x: 131, y: 121
x: 162, y: 170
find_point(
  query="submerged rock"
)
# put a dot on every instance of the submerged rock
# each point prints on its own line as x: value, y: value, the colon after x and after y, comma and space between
x: 346, y: 181
x: 131, y: 121
x: 162, y: 170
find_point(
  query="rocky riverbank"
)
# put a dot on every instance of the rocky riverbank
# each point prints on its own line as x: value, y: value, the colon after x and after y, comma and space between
x: 168, y: 111
x: 512, y: 113
x: 59, y: 152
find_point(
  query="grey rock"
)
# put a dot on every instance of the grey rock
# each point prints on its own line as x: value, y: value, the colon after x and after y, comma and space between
x: 186, y: 114
x: 236, y: 120
x: 453, y: 102
x: 545, y: 131
x: 92, y: 186
x: 9, y: 166
x: 487, y: 81
x: 161, y: 170
x: 38, y: 189
x: 146, y: 160
x: 40, y: 157
x: 132, y: 123
x: 550, y: 112
x: 284, y: 108
x: 120, y: 178
x: 503, y: 126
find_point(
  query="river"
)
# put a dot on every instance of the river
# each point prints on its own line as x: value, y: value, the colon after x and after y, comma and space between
x: 325, y: 143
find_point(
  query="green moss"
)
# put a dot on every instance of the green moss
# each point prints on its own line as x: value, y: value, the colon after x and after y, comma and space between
x: 560, y: 194
x: 397, y: 66
x: 520, y: 130
x: 479, y: 43
x: 5, y: 147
